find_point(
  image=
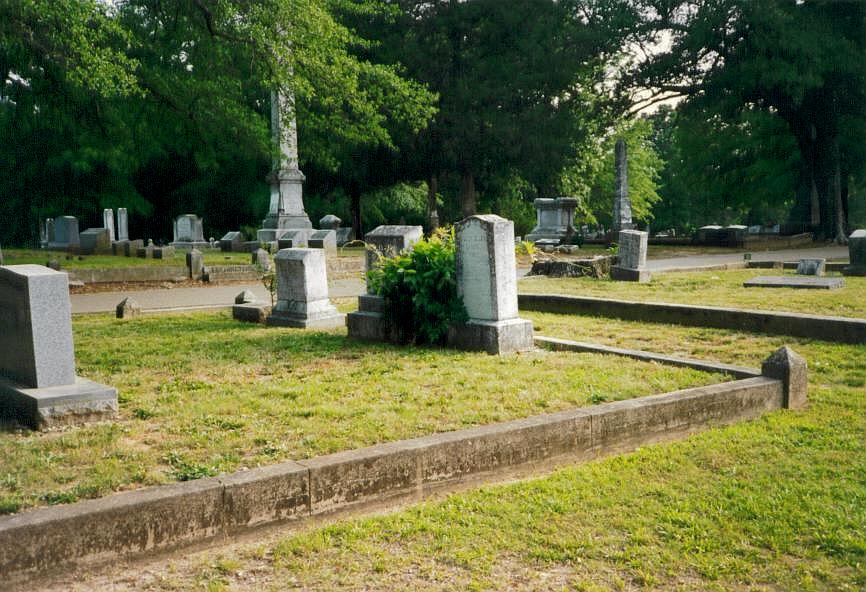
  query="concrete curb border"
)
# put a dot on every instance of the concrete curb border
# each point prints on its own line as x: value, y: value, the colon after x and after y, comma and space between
x: 37, y: 543
x: 825, y: 328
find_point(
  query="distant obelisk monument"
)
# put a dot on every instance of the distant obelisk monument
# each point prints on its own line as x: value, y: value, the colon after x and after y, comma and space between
x: 621, y: 201
x: 286, y: 209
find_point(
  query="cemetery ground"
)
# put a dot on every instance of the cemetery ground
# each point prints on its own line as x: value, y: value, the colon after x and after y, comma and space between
x: 202, y: 394
x: 713, y: 288
x: 778, y: 503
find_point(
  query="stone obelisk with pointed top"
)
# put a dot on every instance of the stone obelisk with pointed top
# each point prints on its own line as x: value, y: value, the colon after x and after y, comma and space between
x: 286, y: 209
x: 621, y: 201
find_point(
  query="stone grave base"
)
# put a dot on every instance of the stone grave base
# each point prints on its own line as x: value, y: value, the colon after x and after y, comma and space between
x: 855, y: 270
x: 251, y: 312
x: 325, y: 318
x: 188, y: 245
x: 367, y: 322
x: 800, y: 282
x: 37, y: 408
x: 624, y: 274
x: 493, y: 337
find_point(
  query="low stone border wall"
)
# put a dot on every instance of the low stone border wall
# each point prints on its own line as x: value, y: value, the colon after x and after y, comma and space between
x: 36, y: 543
x: 144, y: 273
x: 834, y: 329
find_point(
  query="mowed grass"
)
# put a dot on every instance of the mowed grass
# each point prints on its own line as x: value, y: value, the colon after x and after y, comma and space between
x: 202, y: 394
x: 774, y: 504
x: 714, y: 288
x: 211, y: 257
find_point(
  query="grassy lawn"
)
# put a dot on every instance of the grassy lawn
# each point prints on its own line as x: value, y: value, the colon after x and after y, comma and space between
x: 211, y: 257
x: 714, y: 288
x: 201, y: 394
x: 774, y: 504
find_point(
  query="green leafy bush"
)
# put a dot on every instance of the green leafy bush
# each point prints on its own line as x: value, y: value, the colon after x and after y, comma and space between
x: 421, y: 289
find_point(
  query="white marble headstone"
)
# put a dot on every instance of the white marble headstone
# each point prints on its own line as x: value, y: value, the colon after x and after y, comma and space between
x: 487, y: 268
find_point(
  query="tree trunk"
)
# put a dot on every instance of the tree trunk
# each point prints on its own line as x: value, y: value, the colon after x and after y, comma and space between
x: 815, y: 202
x: 355, y: 196
x: 432, y: 206
x: 468, y: 201
x: 841, y: 234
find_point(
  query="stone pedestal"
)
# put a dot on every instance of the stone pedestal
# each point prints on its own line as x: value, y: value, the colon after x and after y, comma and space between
x: 95, y: 241
x: 631, y: 266
x: 487, y: 283
x: 788, y: 366
x: 554, y: 219
x: 189, y: 233
x: 287, y: 206
x: 38, y: 385
x: 621, y: 201
x: 387, y: 241
x: 302, y: 291
x: 369, y: 322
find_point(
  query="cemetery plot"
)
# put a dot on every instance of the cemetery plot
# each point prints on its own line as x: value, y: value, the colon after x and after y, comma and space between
x: 201, y: 394
x: 714, y: 288
x: 775, y: 500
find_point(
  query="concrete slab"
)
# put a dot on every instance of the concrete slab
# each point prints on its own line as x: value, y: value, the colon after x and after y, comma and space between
x: 799, y: 282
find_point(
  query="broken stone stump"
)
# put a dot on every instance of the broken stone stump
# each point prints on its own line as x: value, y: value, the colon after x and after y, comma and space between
x: 128, y: 309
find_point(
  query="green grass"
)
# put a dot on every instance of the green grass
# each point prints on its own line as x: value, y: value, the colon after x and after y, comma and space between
x: 713, y: 288
x: 778, y: 503
x: 201, y: 394
x: 211, y: 257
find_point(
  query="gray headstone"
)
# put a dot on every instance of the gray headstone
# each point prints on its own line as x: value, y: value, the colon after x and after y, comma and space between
x: 487, y: 284
x: 108, y: 223
x: 857, y: 248
x: 330, y: 222
x: 621, y: 201
x: 195, y: 264
x: 36, y: 324
x: 122, y: 224
x: 261, y: 258
x: 387, y: 241
x: 788, y: 366
x: 95, y: 240
x: 811, y: 267
x: 323, y: 239
x: 66, y: 232
x: 127, y: 309
x: 632, y: 249
x: 231, y: 242
x: 302, y: 291
x: 188, y: 231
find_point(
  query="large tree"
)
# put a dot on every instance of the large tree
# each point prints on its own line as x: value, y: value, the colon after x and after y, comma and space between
x: 803, y: 61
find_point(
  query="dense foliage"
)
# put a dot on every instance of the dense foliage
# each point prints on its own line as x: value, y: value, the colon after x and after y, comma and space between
x: 421, y: 289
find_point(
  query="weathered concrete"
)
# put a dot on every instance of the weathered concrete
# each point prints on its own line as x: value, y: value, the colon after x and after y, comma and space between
x: 160, y: 518
x: 835, y: 329
x: 251, y: 312
x: 798, y: 282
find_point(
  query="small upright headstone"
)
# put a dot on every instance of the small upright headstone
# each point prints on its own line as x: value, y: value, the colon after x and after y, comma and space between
x: 812, y: 267
x: 261, y: 258
x: 856, y: 254
x: 38, y: 385
x: 65, y: 233
x: 122, y: 224
x: 487, y: 283
x: 95, y: 240
x: 302, y: 291
x: 195, y: 264
x: 631, y: 266
x: 108, y: 223
x: 127, y: 309
x: 621, y: 201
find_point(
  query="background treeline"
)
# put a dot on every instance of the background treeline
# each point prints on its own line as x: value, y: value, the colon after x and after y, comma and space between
x: 406, y: 106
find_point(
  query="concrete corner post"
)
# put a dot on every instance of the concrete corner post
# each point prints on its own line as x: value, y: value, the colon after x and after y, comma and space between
x: 788, y: 366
